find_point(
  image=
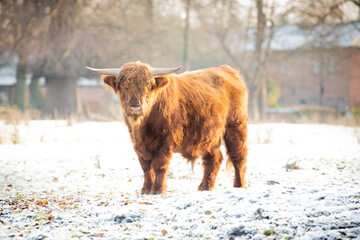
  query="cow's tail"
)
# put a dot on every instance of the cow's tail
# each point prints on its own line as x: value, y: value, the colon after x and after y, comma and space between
x: 228, y: 167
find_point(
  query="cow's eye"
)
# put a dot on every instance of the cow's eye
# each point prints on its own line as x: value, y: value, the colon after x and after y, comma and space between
x: 122, y: 80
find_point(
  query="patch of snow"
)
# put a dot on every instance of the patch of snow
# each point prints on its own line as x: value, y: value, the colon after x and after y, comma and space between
x: 84, y: 180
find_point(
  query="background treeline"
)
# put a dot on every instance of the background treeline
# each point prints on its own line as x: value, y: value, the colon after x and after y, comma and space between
x: 55, y: 39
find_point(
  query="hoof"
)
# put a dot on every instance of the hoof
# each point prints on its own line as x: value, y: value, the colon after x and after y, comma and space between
x: 204, y: 188
x: 157, y: 193
x: 145, y: 191
x: 158, y: 190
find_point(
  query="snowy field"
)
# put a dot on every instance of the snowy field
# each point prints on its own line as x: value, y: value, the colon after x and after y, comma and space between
x: 83, y: 181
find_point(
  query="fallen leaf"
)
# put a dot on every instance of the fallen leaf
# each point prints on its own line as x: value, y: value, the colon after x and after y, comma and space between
x: 84, y: 232
x: 271, y: 182
x: 51, y: 218
x: 146, y: 203
x: 164, y: 232
x: 42, y: 203
x: 98, y: 234
x: 213, y: 217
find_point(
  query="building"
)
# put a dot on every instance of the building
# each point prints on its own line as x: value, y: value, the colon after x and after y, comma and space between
x: 318, y: 66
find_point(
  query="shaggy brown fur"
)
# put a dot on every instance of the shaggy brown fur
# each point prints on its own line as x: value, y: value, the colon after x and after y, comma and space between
x: 188, y: 113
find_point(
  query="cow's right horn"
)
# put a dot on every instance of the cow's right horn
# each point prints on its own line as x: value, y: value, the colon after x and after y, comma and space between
x: 106, y: 71
x: 163, y: 71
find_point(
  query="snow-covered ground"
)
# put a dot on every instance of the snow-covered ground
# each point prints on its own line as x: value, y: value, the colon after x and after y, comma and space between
x: 83, y: 181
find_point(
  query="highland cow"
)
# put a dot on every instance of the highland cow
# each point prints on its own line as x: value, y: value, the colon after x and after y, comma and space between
x: 187, y: 113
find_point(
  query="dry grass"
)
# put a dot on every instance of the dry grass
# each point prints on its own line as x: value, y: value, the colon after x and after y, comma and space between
x: 357, y: 134
x: 15, y: 136
x: 312, y: 114
x: 113, y: 112
x: 97, y: 160
x: 292, y: 165
x: 264, y: 139
x: 13, y: 116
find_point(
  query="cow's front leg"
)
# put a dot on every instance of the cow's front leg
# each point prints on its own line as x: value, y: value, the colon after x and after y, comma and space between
x: 161, y: 167
x: 149, y: 176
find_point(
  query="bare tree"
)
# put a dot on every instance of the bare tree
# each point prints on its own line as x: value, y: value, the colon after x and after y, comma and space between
x: 57, y: 38
x: 251, y: 60
x: 62, y: 56
x: 322, y: 11
x: 20, y: 28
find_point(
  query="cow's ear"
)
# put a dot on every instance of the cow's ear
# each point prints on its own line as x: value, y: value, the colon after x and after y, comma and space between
x: 161, y: 82
x: 109, y: 81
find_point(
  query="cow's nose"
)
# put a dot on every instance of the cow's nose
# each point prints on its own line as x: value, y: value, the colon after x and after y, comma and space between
x: 135, y: 109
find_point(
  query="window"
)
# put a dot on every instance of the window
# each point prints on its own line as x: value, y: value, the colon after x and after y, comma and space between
x: 302, y: 101
x: 330, y: 102
x: 281, y: 102
x: 314, y: 101
x: 342, y: 106
x: 315, y: 67
x: 282, y: 67
x: 331, y: 65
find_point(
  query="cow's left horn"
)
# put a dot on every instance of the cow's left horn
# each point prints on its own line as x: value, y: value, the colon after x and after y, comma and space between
x: 106, y: 71
x: 163, y: 71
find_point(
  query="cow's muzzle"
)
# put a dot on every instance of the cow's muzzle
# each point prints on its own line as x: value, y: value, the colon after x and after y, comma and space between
x: 135, y: 110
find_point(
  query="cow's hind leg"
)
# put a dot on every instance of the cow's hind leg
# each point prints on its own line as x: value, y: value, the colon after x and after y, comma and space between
x: 235, y: 141
x: 211, y: 163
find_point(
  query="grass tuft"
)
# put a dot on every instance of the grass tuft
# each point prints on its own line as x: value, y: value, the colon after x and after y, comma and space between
x: 269, y: 232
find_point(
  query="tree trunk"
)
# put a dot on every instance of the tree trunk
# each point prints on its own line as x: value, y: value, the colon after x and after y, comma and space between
x: 321, y: 80
x: 254, y: 105
x: 259, y: 80
x: 60, y: 95
x: 20, y: 86
x: 263, y: 100
x: 36, y: 95
x: 186, y: 37
x: 150, y: 17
